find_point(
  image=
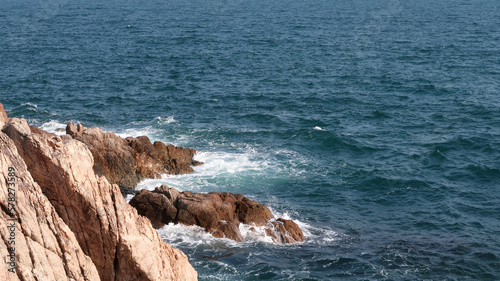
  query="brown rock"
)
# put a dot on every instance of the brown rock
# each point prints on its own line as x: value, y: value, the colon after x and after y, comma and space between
x: 127, y: 161
x: 171, y: 193
x: 45, y: 247
x: 285, y: 231
x: 250, y: 211
x: 155, y: 206
x: 121, y: 244
x: 219, y: 213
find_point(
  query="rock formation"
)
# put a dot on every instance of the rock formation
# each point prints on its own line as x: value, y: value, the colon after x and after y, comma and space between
x: 127, y: 161
x: 219, y: 213
x: 72, y: 224
x: 45, y: 248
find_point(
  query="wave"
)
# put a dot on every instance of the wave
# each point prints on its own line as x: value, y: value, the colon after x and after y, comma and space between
x: 220, y: 170
x: 30, y: 110
x: 148, y: 131
x: 165, y: 120
x: 319, y: 128
x: 29, y: 106
x: 181, y: 235
x: 54, y: 126
x: 159, y: 120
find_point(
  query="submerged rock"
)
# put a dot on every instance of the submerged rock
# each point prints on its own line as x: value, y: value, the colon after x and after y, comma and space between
x: 73, y: 224
x: 219, y: 213
x: 127, y: 161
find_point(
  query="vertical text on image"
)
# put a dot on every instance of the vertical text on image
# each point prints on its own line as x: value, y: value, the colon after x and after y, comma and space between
x: 11, y: 221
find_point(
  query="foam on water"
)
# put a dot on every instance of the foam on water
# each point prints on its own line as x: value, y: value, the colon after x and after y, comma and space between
x: 54, y: 126
x: 312, y: 234
x: 165, y: 120
x: 160, y: 120
x: 150, y: 131
x: 218, y: 167
x: 29, y: 106
x: 192, y: 236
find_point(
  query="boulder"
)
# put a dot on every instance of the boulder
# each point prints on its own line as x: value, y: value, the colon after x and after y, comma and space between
x: 219, y: 213
x: 127, y: 161
x: 120, y: 244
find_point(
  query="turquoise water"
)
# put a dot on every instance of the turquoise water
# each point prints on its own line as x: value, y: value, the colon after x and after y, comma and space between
x: 374, y: 124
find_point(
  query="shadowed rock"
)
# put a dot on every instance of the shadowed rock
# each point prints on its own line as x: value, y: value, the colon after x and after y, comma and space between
x: 127, y: 161
x: 219, y: 213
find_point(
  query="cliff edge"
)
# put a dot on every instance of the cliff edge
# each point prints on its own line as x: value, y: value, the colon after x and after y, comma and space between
x: 61, y: 221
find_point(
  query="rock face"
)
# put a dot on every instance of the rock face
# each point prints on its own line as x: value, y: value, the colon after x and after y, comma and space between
x: 127, y: 161
x: 219, y: 213
x: 73, y: 223
x: 45, y: 248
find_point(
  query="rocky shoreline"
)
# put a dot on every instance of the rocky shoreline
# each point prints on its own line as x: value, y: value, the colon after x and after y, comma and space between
x: 219, y: 213
x: 72, y: 223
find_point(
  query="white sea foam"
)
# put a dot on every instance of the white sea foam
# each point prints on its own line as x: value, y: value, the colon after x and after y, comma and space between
x: 318, y: 128
x: 193, y: 236
x: 157, y: 120
x: 31, y: 106
x: 55, y: 127
x: 150, y: 184
x: 149, y: 131
x: 165, y: 120
x: 219, y: 171
x: 306, y: 228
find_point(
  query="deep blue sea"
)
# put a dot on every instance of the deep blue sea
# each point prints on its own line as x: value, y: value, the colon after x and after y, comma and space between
x: 373, y: 124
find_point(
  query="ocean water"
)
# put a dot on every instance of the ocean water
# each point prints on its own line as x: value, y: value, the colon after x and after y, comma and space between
x: 373, y: 124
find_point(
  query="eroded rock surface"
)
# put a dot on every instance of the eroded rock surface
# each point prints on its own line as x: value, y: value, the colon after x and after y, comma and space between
x: 90, y: 228
x: 127, y: 161
x: 219, y: 213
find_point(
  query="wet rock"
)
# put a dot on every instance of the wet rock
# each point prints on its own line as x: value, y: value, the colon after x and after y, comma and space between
x: 219, y: 213
x: 285, y: 231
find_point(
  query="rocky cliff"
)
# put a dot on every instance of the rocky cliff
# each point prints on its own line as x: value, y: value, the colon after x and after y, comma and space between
x: 66, y: 222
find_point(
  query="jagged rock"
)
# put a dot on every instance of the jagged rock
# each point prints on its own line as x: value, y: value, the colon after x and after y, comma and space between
x: 285, y: 231
x: 219, y: 213
x: 121, y: 244
x: 45, y: 247
x: 154, y: 206
x: 127, y: 161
